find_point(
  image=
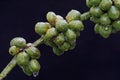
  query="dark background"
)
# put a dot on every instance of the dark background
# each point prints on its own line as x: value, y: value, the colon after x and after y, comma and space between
x: 94, y: 57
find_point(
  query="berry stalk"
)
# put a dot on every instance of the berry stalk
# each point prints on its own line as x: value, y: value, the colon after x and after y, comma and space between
x: 12, y: 63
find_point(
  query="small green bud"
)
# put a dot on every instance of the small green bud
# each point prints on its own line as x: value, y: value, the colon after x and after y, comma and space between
x: 76, y: 25
x: 51, y: 17
x: 96, y: 28
x: 42, y: 27
x: 117, y: 3
x: 105, y: 4
x: 50, y: 43
x: 34, y: 65
x: 52, y: 32
x: 33, y: 52
x: 18, y: 42
x: 59, y: 39
x: 88, y: 3
x: 64, y: 47
x: 22, y: 59
x: 70, y: 35
x: 105, y: 31
x: 95, y: 2
x: 27, y: 70
x: 58, y: 17
x: 77, y: 33
x: 96, y: 11
x: 13, y: 50
x: 116, y: 25
x: 85, y: 16
x: 73, y: 15
x: 57, y: 51
x: 61, y: 26
x: 105, y: 20
x: 72, y: 45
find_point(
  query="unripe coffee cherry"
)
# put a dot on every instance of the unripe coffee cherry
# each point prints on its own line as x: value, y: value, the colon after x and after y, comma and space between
x: 88, y: 3
x: 117, y: 3
x: 58, y: 17
x: 59, y: 39
x: 34, y: 65
x: 61, y: 26
x: 22, y: 59
x: 76, y: 25
x: 27, y: 70
x: 85, y: 16
x: 70, y: 35
x: 51, y: 17
x: 116, y: 25
x: 33, y: 52
x: 57, y: 51
x: 52, y: 32
x: 114, y: 13
x: 96, y: 11
x: 95, y: 2
x: 13, y: 50
x: 65, y: 46
x: 42, y: 27
x: 105, y: 4
x: 105, y: 31
x: 73, y: 15
x: 105, y: 20
x: 18, y: 42
x: 96, y: 28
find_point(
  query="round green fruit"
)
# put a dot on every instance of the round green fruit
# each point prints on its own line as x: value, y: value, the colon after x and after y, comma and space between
x: 42, y: 27
x: 96, y: 11
x: 76, y: 25
x: 116, y: 25
x: 33, y: 52
x: 34, y: 65
x: 18, y: 42
x: 22, y: 59
x: 73, y: 15
x: 61, y: 25
x: 58, y: 51
x: 27, y: 70
x: 13, y: 50
x: 105, y: 20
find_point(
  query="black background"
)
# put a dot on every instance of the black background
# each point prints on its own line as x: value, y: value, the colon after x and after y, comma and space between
x: 94, y: 57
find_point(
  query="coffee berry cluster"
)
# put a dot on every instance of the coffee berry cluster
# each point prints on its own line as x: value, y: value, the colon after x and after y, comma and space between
x: 106, y: 16
x: 26, y: 55
x: 60, y: 33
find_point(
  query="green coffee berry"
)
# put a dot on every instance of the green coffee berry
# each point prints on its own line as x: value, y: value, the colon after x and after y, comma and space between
x: 51, y: 17
x: 64, y: 47
x: 114, y: 13
x: 57, y: 51
x: 27, y: 70
x: 96, y: 28
x: 105, y: 20
x: 96, y: 11
x: 13, y: 50
x: 116, y: 25
x: 105, y: 4
x: 95, y: 2
x: 73, y: 15
x: 76, y: 25
x: 72, y: 45
x: 88, y: 3
x: 59, y: 39
x: 18, y: 42
x: 34, y: 65
x: 58, y: 17
x: 70, y: 35
x: 117, y: 3
x: 22, y: 59
x: 105, y: 31
x: 52, y: 32
x: 33, y: 52
x: 61, y: 26
x: 42, y: 27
